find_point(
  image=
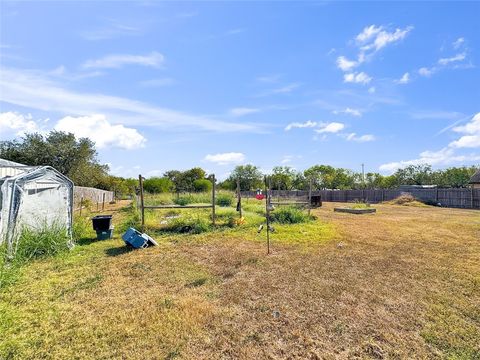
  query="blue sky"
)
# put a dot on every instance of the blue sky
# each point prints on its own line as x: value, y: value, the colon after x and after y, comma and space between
x: 175, y: 85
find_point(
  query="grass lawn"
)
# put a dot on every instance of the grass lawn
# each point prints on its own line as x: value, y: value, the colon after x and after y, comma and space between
x: 401, y: 283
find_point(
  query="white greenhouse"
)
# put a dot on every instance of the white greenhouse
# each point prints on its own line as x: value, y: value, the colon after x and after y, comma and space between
x: 33, y: 197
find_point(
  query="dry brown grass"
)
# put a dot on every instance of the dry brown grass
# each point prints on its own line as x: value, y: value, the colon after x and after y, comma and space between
x: 406, y: 200
x: 402, y: 283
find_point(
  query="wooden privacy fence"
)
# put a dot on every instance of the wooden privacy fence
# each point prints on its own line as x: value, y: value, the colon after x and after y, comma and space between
x: 453, y: 198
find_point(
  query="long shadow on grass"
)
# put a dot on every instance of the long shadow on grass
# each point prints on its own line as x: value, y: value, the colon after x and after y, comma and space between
x: 116, y: 251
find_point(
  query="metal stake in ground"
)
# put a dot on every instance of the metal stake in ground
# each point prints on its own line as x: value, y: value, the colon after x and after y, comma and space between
x: 213, y: 199
x: 142, y: 205
x: 239, y: 195
x: 267, y: 211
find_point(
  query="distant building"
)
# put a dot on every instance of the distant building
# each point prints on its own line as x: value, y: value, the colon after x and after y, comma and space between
x: 475, y: 180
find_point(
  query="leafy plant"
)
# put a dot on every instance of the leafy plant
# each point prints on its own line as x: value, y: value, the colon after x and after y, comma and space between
x: 224, y: 200
x: 290, y: 215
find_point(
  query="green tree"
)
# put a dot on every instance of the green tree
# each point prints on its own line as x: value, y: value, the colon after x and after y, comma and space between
x: 156, y: 185
x: 202, y: 185
x: 414, y: 175
x: 250, y: 177
x: 75, y: 158
x: 282, y: 178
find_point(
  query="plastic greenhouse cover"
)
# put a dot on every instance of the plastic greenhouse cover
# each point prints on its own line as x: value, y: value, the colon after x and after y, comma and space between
x: 36, y: 199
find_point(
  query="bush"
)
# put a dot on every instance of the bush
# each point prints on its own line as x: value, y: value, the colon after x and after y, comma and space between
x: 224, y: 200
x: 289, y: 215
x: 202, y: 185
x: 156, y: 185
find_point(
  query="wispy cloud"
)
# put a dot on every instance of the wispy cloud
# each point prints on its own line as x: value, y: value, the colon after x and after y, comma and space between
x: 241, y: 111
x: 332, y: 128
x: 33, y: 90
x: 358, y: 78
x: 348, y: 111
x: 160, y: 82
x: 456, y: 58
x: 115, y: 61
x: 371, y: 40
x: 226, y: 158
x: 457, y: 61
x: 299, y: 125
x: 285, y: 89
x: 112, y: 29
x: 359, y: 138
x: 405, y: 79
x: 269, y: 78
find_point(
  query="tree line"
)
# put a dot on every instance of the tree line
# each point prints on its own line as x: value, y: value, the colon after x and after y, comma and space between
x: 78, y: 159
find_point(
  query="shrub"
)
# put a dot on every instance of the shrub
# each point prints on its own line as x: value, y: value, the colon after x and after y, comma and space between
x: 224, y: 200
x: 202, y: 185
x: 289, y: 215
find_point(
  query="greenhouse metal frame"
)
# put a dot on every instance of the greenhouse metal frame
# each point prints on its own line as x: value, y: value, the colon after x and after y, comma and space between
x: 35, y: 198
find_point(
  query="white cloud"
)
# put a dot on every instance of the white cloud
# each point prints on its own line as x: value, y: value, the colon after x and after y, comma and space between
x: 361, y: 138
x: 368, y: 33
x: 456, y: 58
x: 332, y: 127
x: 307, y: 124
x: 375, y: 38
x: 226, y: 158
x: 449, y: 154
x: 101, y: 132
x: 424, y: 71
x: 458, y: 43
x: 348, y: 111
x: 241, y: 111
x: 359, y: 78
x: 444, y: 156
x: 371, y: 90
x: 115, y: 61
x: 12, y: 123
x: 287, y: 159
x: 34, y: 90
x: 346, y: 65
x: 471, y: 137
x: 405, y: 79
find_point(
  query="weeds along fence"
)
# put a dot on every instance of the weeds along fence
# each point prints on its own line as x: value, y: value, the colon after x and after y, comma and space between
x: 95, y: 196
x: 452, y: 198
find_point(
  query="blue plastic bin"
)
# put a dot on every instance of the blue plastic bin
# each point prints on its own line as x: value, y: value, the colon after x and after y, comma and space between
x: 104, y: 235
x: 137, y: 240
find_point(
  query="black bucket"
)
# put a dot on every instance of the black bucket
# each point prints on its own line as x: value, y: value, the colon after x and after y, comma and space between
x: 102, y: 222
